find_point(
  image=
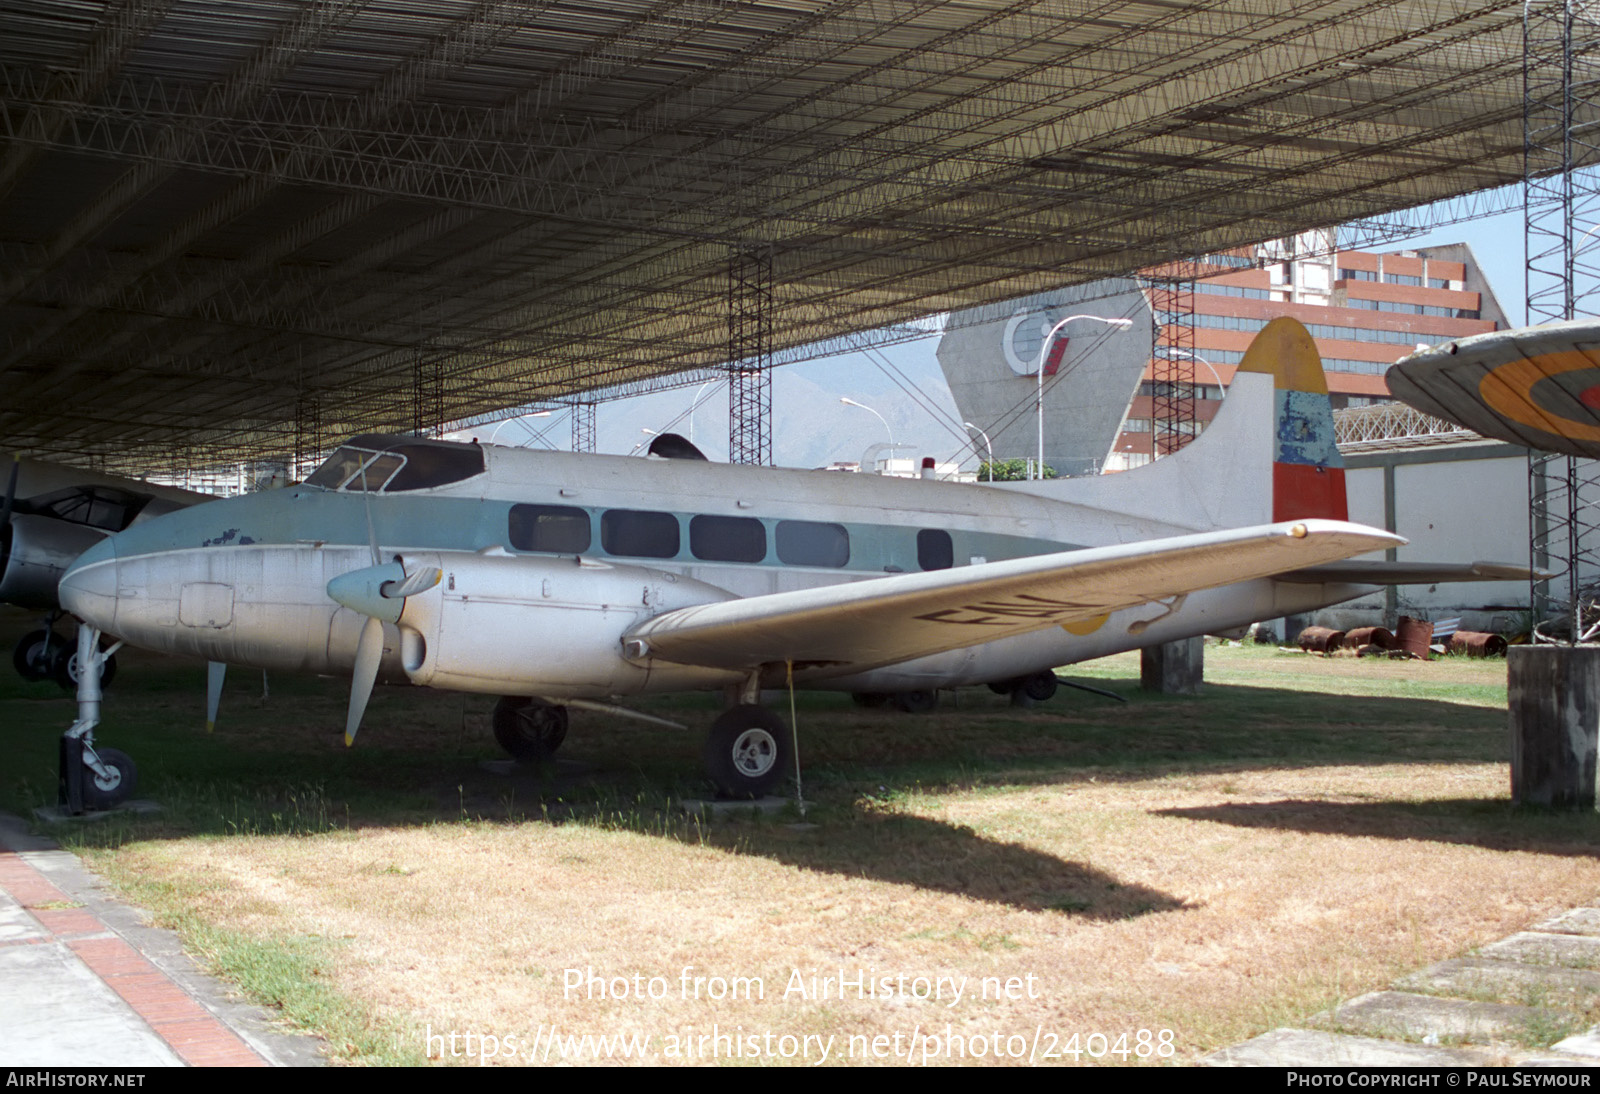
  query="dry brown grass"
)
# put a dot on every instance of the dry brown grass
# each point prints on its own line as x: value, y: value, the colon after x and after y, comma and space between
x: 1215, y: 904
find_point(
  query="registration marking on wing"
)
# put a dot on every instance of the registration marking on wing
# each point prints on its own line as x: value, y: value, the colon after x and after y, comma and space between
x: 1006, y: 613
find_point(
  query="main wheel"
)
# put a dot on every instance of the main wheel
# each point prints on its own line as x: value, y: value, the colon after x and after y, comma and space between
x: 64, y: 666
x: 748, y: 751
x: 110, y: 790
x: 528, y: 729
x: 1040, y: 686
x: 31, y: 658
x: 917, y: 702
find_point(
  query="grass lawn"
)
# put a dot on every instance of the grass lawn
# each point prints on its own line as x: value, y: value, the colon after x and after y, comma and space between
x: 1131, y: 882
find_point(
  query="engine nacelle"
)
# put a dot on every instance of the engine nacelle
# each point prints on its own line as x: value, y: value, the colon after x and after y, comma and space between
x: 34, y: 552
x: 552, y: 627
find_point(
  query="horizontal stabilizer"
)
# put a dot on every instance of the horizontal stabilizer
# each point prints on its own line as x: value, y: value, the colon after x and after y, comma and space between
x: 1378, y: 572
x: 892, y: 619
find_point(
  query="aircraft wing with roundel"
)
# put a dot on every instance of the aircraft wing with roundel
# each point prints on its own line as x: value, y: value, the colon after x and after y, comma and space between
x: 884, y: 621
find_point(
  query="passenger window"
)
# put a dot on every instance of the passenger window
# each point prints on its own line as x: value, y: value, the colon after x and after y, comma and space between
x: 934, y: 549
x: 638, y: 533
x: 727, y: 539
x: 558, y: 529
x: 810, y: 543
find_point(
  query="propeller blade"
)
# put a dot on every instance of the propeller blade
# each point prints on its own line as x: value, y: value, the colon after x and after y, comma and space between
x: 11, y: 491
x: 369, y: 652
x: 215, y: 672
x: 419, y: 582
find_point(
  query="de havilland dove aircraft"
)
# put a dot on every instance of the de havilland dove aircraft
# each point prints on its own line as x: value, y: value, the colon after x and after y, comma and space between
x: 558, y: 580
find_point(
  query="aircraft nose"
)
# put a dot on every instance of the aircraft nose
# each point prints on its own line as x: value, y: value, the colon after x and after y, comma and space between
x: 89, y: 590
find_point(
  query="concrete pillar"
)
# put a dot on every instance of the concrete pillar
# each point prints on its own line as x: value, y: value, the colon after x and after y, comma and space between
x: 1554, y: 700
x: 1174, y: 668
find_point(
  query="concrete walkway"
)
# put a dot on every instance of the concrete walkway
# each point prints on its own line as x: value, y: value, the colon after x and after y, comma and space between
x: 85, y: 982
x: 1515, y: 1002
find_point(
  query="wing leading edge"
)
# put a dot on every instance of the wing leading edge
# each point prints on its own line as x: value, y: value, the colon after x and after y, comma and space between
x: 892, y: 619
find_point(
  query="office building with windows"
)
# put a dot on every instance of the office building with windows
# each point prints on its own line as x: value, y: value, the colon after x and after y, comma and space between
x: 1366, y: 310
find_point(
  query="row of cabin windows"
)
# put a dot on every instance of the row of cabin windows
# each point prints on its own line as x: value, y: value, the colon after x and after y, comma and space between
x: 642, y: 533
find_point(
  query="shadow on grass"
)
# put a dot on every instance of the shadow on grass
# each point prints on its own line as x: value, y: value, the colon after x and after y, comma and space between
x: 278, y: 766
x: 1494, y: 825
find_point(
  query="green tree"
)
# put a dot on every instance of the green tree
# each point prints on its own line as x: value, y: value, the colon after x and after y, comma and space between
x: 1008, y: 471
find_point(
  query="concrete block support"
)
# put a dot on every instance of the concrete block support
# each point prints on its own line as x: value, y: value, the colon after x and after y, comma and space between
x: 1173, y: 668
x: 1554, y: 699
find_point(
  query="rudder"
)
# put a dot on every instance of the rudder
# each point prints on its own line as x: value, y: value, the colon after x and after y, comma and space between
x: 1307, y: 470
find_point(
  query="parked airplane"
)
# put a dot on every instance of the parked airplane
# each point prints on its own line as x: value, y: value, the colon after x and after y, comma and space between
x: 51, y: 514
x: 558, y: 580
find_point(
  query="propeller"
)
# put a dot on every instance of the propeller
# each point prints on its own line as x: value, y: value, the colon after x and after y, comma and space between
x: 377, y: 592
x: 5, y: 512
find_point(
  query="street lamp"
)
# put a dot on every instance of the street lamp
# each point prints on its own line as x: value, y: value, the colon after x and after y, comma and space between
x: 517, y: 418
x: 1222, y: 392
x: 874, y: 413
x: 1044, y: 348
x: 986, y: 445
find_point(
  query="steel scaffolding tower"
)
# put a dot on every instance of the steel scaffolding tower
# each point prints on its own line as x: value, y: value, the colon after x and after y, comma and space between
x: 1563, y: 282
x: 583, y: 439
x: 1172, y: 388
x: 750, y: 355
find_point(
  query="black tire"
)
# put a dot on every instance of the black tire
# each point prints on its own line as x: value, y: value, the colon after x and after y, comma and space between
x: 1002, y: 687
x: 1040, y: 687
x: 869, y: 700
x: 529, y: 730
x: 31, y: 658
x: 64, y: 667
x: 917, y: 702
x: 101, y: 793
x: 748, y: 752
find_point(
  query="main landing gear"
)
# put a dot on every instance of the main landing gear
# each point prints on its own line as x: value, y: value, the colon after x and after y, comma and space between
x: 1038, y: 687
x: 748, y: 752
x: 530, y: 730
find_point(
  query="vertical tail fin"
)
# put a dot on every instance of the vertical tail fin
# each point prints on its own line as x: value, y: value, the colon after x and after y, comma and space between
x: 1307, y: 470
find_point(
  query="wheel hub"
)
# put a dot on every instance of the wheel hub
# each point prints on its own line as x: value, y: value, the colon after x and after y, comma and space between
x: 754, y: 752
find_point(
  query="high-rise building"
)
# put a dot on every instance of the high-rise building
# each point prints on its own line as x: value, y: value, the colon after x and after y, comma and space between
x: 1364, y: 309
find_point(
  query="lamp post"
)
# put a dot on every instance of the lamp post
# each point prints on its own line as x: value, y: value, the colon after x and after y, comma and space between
x: 875, y: 414
x: 986, y: 445
x: 517, y: 418
x: 1044, y: 348
x: 1222, y: 392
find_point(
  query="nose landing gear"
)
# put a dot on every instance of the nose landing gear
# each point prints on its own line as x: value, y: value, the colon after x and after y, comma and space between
x: 92, y: 779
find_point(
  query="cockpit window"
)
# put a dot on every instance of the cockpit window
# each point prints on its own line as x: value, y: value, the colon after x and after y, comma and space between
x: 97, y: 506
x: 400, y: 464
x: 338, y: 468
x: 435, y: 465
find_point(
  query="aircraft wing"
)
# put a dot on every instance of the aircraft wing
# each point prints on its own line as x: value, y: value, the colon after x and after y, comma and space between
x: 1364, y: 572
x: 887, y: 620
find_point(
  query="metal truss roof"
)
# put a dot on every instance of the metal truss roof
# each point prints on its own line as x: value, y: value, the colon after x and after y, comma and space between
x: 223, y: 222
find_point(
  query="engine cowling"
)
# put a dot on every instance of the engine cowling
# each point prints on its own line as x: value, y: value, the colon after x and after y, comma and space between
x: 34, y: 552
x: 505, y: 624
